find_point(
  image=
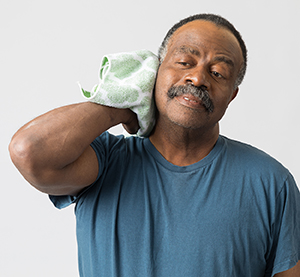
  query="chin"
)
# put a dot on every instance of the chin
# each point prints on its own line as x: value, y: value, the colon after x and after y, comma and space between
x: 190, y: 123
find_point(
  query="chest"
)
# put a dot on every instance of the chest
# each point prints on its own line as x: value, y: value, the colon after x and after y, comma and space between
x: 184, y: 220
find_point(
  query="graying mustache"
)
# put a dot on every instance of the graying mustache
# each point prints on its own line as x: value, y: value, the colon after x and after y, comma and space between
x: 199, y: 92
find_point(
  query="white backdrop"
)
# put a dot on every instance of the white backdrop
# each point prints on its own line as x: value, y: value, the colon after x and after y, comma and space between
x: 47, y: 46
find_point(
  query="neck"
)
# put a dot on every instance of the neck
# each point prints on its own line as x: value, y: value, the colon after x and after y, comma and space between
x: 181, y: 146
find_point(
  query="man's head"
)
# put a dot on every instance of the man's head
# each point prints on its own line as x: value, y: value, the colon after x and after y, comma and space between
x: 202, y: 64
x: 218, y: 21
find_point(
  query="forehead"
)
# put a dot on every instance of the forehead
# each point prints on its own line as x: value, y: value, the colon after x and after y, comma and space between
x: 205, y: 36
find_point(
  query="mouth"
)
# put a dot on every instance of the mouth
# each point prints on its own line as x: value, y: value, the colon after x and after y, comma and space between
x: 190, y: 101
x: 192, y: 97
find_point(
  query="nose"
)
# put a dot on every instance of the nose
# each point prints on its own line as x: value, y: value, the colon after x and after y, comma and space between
x: 197, y: 77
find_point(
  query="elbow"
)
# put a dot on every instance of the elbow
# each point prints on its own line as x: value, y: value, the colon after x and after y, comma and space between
x: 34, y: 160
x: 23, y: 156
x: 19, y: 151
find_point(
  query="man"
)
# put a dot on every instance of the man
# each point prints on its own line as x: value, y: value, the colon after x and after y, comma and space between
x: 184, y: 202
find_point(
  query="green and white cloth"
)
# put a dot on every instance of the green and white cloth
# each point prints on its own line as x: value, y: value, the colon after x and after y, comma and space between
x: 127, y: 81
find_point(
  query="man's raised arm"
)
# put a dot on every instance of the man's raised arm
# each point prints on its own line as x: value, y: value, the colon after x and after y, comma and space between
x: 53, y: 151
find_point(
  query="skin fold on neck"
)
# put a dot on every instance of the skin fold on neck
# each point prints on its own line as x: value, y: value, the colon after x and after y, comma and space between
x: 183, y: 147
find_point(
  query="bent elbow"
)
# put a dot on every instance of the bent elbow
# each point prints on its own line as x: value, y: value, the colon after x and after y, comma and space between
x: 23, y: 156
x: 19, y: 152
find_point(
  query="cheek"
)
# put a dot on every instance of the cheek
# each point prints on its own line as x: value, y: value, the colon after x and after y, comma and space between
x: 166, y: 78
x: 223, y: 95
x: 162, y: 86
x: 221, y: 105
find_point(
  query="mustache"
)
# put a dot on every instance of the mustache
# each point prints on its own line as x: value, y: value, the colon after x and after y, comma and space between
x: 200, y: 92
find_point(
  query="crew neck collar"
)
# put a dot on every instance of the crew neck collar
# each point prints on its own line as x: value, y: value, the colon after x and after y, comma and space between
x: 205, y: 161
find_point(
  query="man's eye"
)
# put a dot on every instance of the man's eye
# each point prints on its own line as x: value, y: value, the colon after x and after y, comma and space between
x: 217, y: 74
x: 184, y: 63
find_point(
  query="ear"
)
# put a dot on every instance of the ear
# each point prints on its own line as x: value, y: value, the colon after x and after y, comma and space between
x: 234, y: 94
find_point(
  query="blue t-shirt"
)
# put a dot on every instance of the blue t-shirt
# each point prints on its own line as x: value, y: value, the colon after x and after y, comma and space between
x: 234, y: 213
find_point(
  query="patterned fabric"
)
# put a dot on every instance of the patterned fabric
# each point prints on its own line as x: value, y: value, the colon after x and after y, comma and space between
x: 127, y: 81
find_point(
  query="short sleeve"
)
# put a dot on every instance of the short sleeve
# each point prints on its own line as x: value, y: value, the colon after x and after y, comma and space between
x: 62, y: 201
x: 102, y: 146
x: 286, y: 241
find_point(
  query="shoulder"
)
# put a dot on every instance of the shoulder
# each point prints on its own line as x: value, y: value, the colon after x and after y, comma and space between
x: 107, y: 145
x: 253, y: 160
x: 111, y: 141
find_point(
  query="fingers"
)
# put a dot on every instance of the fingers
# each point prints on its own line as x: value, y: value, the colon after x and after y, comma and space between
x: 132, y: 125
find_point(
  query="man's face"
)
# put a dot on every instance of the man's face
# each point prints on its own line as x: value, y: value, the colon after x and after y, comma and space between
x: 200, y: 54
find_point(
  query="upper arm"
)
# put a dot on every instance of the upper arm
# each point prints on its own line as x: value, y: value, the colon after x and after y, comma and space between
x: 69, y: 180
x: 78, y: 175
x: 292, y: 272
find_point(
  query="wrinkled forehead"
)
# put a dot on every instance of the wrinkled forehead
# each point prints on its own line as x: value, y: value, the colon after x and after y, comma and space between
x: 205, y: 34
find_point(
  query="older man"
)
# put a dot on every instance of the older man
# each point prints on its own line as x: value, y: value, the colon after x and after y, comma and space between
x: 184, y: 202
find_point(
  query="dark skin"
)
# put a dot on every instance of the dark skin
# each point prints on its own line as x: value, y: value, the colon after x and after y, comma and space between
x: 53, y: 151
x: 201, y: 54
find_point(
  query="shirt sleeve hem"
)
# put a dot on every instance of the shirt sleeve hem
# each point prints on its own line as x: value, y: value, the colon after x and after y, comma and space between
x: 62, y: 201
x: 286, y: 265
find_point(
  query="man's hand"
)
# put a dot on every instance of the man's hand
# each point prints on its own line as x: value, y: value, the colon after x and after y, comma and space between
x: 131, y: 125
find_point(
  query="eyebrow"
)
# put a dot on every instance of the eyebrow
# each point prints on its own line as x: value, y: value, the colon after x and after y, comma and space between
x: 187, y: 50
x: 224, y: 60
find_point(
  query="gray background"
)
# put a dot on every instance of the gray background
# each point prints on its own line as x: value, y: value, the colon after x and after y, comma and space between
x: 47, y: 46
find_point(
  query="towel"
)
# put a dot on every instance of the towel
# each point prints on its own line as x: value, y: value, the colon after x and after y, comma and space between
x: 127, y: 81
